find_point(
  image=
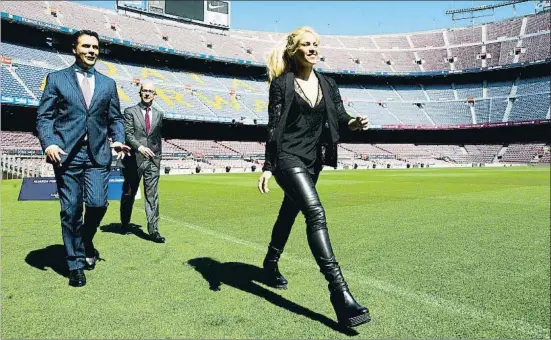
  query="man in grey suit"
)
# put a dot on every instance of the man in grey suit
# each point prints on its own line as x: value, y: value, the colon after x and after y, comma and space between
x: 78, y: 111
x: 142, y: 125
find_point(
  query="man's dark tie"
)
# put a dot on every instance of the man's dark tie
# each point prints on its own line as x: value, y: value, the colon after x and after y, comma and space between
x: 147, y: 120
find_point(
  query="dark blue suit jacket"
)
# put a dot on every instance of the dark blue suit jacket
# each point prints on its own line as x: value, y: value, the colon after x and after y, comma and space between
x: 63, y: 118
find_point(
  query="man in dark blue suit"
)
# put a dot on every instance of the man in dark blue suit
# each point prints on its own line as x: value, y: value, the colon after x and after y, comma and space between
x: 77, y: 113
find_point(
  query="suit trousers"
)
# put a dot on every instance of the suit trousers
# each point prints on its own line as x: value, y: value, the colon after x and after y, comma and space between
x: 300, y: 195
x: 80, y: 181
x: 132, y: 176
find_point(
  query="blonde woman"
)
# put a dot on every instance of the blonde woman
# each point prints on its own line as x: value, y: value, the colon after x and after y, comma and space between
x: 305, y: 115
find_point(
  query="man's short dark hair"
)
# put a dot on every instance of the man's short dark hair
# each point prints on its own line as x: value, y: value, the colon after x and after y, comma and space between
x: 81, y: 33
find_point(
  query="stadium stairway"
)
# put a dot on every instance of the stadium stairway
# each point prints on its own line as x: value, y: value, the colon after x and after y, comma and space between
x: 500, y: 154
x: 174, y: 145
x: 512, y: 94
x: 227, y: 147
x: 14, y: 74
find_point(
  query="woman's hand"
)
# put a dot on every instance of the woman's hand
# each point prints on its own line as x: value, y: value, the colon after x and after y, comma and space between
x: 263, y: 182
x: 359, y: 123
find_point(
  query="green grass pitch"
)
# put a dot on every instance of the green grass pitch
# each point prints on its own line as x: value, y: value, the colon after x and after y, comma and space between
x: 433, y: 253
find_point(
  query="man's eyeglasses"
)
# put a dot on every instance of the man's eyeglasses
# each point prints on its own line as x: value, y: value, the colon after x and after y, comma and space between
x: 148, y: 91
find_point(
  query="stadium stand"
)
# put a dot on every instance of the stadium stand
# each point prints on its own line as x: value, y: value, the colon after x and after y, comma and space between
x: 497, y: 110
x: 532, y: 107
x: 466, y: 57
x: 37, y: 10
x: 434, y: 60
x: 504, y: 29
x: 449, y: 113
x: 22, y: 155
x: 391, y: 42
x: 465, y: 35
x: 188, y: 95
x: 499, y: 52
x: 358, y: 42
x: 340, y: 51
x: 369, y: 61
x: 412, y: 93
x: 33, y: 56
x: 482, y: 153
x: 537, y: 48
x: 365, y: 149
x: 210, y: 96
x: 499, y: 89
x: 402, y: 61
x: 507, y: 52
x: 521, y: 153
x: 533, y: 86
x: 34, y: 77
x: 194, y: 95
x: 408, y: 113
x: 439, y: 92
x: 538, y: 23
x: 377, y: 112
x: 465, y: 91
x: 245, y: 148
x: 435, y: 39
x: 19, y: 140
x: 545, y: 157
x: 72, y: 15
x: 183, y: 38
x: 10, y: 86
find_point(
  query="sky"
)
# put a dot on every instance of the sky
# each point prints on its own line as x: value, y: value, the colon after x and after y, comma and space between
x: 352, y: 17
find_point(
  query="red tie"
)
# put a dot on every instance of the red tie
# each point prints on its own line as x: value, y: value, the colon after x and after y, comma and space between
x: 147, y: 120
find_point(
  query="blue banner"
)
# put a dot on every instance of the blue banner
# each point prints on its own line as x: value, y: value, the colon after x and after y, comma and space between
x: 137, y: 4
x: 38, y: 189
x: 19, y: 101
x: 45, y: 189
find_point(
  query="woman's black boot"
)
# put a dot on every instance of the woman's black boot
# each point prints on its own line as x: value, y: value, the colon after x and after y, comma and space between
x: 271, y: 269
x: 349, y: 312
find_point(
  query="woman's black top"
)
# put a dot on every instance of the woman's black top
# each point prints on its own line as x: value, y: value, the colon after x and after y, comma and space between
x: 300, y: 145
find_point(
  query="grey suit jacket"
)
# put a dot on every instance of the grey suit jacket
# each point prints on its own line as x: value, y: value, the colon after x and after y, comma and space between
x: 134, y: 128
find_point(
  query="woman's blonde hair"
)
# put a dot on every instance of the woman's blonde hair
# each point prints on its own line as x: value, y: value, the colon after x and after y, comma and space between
x: 280, y: 59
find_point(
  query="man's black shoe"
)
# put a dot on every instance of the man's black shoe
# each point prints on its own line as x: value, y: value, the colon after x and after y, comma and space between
x: 156, y: 237
x: 77, y: 278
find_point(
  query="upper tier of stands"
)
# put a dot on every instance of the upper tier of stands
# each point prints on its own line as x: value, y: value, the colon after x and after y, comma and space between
x: 514, y: 40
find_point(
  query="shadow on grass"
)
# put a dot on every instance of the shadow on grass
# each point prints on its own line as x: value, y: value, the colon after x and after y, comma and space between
x: 116, y: 228
x: 50, y: 257
x: 246, y: 278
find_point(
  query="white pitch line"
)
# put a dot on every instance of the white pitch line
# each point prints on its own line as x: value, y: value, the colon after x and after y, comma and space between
x: 522, y: 326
